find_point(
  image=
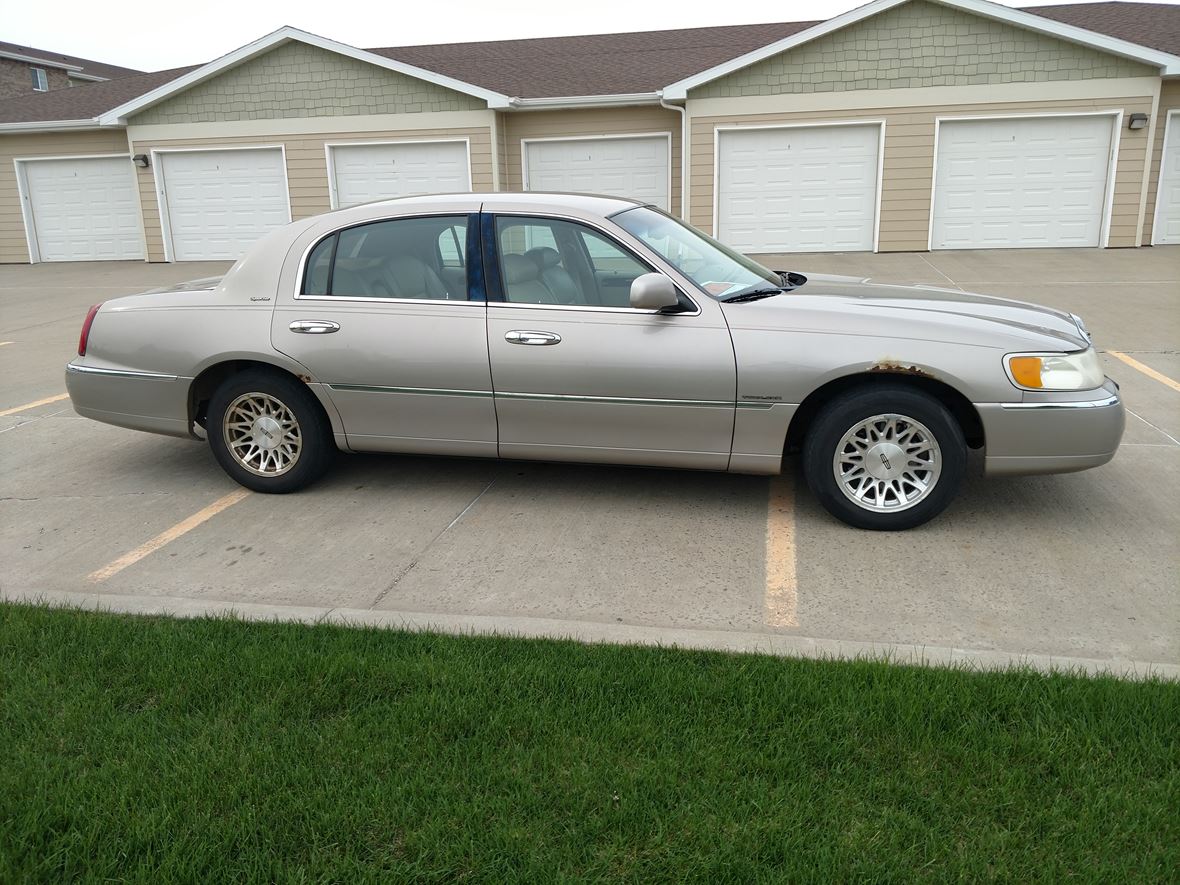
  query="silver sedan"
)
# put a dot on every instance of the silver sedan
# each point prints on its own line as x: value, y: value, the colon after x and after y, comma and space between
x: 595, y: 329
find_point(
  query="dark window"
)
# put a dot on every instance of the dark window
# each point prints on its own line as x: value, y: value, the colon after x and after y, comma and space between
x: 550, y: 261
x: 420, y: 258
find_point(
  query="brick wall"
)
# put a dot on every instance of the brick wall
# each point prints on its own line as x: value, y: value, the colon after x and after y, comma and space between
x: 921, y: 44
x: 15, y: 78
x: 297, y: 80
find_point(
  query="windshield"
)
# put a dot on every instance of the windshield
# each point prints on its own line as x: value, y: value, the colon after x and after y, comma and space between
x: 717, y: 269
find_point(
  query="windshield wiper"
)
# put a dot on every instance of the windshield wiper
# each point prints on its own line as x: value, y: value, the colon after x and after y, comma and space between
x: 751, y: 295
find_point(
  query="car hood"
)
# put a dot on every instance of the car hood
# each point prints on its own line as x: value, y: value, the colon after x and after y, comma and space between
x: 854, y: 306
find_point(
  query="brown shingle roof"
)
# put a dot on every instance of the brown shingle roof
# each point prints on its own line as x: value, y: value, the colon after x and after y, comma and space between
x: 55, y: 59
x: 600, y: 64
x: 83, y: 102
x: 1156, y: 25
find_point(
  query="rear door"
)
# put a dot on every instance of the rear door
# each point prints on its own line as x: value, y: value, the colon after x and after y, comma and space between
x: 385, y: 317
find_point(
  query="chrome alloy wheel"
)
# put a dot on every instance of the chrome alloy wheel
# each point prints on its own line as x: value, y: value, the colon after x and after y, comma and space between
x: 262, y: 434
x: 887, y: 463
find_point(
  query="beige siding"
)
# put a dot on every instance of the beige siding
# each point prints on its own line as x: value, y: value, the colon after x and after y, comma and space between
x: 298, y: 80
x: 920, y: 44
x: 909, y: 162
x: 307, y: 171
x: 13, y: 245
x: 1169, y: 100
x: 602, y: 121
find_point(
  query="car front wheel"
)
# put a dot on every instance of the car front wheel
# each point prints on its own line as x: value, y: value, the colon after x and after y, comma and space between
x: 268, y: 432
x: 885, y: 458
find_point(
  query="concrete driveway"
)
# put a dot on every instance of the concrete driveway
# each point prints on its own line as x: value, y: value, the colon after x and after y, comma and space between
x: 1078, y: 570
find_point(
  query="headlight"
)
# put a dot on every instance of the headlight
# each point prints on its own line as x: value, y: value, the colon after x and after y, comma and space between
x: 1055, y: 371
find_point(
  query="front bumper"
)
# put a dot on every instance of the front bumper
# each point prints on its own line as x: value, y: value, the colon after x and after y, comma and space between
x: 1053, y: 433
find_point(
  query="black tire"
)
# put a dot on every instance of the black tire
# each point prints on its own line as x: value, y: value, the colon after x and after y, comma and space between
x: 893, y: 497
x: 303, y: 451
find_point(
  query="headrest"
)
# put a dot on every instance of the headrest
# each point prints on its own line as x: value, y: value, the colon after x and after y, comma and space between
x: 518, y: 268
x: 545, y: 256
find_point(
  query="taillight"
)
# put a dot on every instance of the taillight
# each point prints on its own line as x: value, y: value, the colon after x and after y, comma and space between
x: 86, y: 328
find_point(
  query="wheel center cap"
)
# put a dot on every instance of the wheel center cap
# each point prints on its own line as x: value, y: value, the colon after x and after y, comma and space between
x: 268, y: 433
x: 885, y: 460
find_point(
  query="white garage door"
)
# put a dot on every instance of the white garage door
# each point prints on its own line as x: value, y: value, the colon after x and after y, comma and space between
x: 798, y: 189
x: 83, y: 209
x: 220, y: 202
x: 365, y: 172
x: 621, y: 167
x: 1024, y: 182
x: 1167, y: 213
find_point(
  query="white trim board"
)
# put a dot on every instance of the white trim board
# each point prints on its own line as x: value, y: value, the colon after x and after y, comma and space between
x: 525, y: 142
x: 330, y: 163
x: 740, y: 127
x: 301, y: 127
x: 118, y: 115
x: 1168, y: 64
x: 1111, y: 171
x: 1171, y: 120
x: 161, y: 195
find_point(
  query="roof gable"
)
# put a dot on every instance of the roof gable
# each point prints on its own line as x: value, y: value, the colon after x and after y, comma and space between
x: 919, y: 44
x: 279, y: 38
x: 1161, y: 61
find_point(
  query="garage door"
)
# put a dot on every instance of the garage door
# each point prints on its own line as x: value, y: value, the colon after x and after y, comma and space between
x: 219, y: 202
x: 1167, y: 213
x: 365, y: 172
x: 798, y: 189
x: 1026, y: 182
x: 83, y: 209
x: 621, y: 167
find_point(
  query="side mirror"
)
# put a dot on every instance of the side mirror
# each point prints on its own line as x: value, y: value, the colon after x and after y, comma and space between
x: 653, y: 291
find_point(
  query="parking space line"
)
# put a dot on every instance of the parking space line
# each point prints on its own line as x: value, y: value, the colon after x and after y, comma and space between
x: 1146, y: 370
x: 167, y: 536
x: 5, y: 343
x: 782, y: 598
x: 33, y: 405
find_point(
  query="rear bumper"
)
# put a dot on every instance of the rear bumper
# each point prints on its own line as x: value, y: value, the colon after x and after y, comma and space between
x: 1053, y: 434
x: 138, y: 400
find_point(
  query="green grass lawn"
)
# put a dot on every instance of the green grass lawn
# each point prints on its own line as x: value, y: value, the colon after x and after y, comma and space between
x: 149, y: 749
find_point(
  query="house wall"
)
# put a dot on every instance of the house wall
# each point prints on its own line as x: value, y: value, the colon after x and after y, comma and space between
x: 1169, y: 100
x: 13, y: 244
x: 15, y: 78
x: 298, y: 80
x: 908, y: 171
x: 304, y: 142
x: 581, y: 123
x: 920, y: 44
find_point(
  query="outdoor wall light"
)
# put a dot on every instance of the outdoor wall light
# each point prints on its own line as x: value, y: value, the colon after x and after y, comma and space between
x: 1137, y: 121
x: 141, y: 160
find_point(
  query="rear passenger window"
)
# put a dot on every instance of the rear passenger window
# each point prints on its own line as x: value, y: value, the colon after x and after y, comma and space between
x: 404, y: 258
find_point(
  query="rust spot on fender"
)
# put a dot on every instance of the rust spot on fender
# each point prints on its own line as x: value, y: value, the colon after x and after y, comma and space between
x: 896, y: 368
x: 306, y: 379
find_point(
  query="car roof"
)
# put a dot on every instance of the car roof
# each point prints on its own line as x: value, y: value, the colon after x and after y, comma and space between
x: 598, y: 204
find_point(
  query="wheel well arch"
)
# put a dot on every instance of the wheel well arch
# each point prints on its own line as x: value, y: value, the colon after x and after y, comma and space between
x: 956, y: 403
x: 211, y: 377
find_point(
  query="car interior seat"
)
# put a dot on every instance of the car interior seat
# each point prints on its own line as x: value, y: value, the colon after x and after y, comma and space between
x: 522, y: 280
x: 555, y: 277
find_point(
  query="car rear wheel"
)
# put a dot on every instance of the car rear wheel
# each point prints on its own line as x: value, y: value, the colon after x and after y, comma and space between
x: 885, y: 458
x: 268, y: 432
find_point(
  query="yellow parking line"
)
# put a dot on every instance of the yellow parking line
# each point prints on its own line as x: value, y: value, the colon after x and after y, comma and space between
x: 167, y: 537
x: 1146, y: 370
x: 782, y: 596
x: 5, y: 343
x: 40, y: 402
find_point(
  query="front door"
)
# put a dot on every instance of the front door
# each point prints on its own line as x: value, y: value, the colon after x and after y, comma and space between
x: 383, y: 319
x: 580, y: 375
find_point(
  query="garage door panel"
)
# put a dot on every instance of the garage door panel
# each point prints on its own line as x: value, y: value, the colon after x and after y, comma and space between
x: 366, y: 172
x: 1021, y: 182
x: 219, y: 202
x: 798, y: 188
x: 1167, y: 218
x: 84, y: 209
x: 626, y: 167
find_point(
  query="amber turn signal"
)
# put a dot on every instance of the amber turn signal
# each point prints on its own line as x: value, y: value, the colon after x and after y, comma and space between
x: 1026, y: 370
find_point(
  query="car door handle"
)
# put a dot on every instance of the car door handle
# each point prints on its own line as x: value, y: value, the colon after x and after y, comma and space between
x: 314, y: 327
x: 537, y: 338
